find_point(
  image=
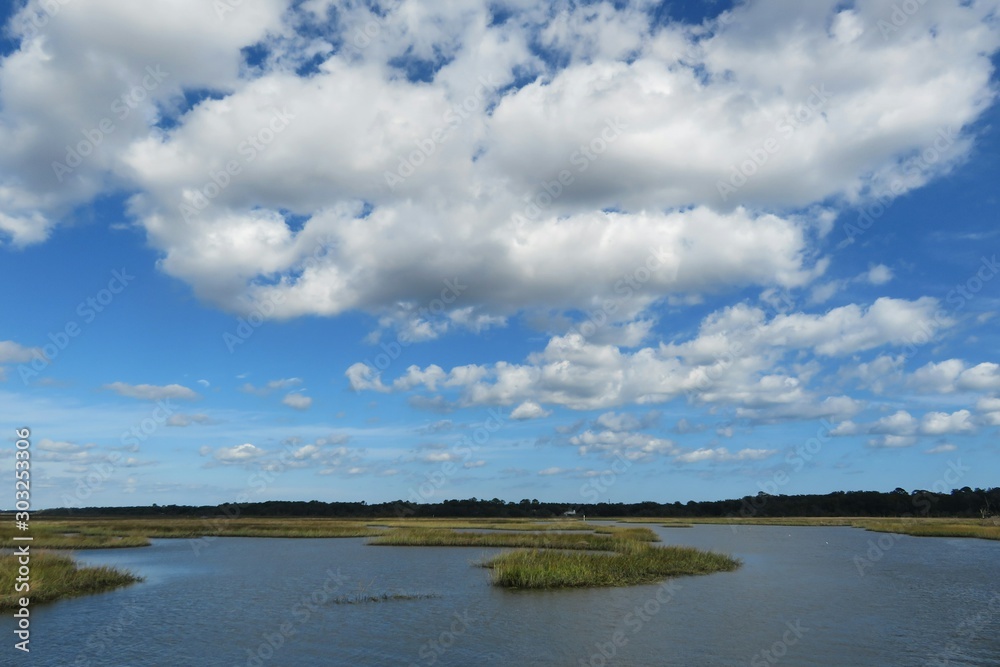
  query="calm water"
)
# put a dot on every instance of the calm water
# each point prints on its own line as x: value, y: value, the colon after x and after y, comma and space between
x: 798, y: 600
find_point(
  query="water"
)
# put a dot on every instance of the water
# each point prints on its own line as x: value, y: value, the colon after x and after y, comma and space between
x: 800, y: 596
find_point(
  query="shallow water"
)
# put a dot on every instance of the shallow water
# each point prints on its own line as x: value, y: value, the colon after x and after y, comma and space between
x: 802, y: 596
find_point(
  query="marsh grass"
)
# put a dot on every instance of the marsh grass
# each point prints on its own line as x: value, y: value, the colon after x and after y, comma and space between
x: 492, y: 524
x: 987, y: 529
x: 53, y: 535
x: 444, y: 537
x: 638, y: 564
x: 980, y: 529
x: 617, y: 556
x: 362, y: 598
x: 56, y: 576
x: 119, y: 533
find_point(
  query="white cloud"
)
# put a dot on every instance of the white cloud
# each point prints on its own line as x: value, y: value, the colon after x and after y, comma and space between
x: 632, y: 446
x: 989, y: 409
x: 953, y: 375
x: 14, y: 353
x: 729, y: 362
x: 61, y: 447
x: 182, y: 420
x: 236, y: 454
x: 529, y: 410
x: 893, y: 441
x: 899, y: 423
x: 846, y: 119
x: 942, y: 449
x: 879, y: 274
x: 152, y: 392
x: 270, y: 387
x: 943, y: 423
x: 297, y: 401
x: 723, y: 455
x: 983, y: 377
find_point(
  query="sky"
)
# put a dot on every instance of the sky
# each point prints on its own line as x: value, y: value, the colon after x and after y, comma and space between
x: 566, y: 251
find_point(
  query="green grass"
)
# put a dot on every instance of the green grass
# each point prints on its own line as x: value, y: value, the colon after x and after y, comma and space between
x: 616, y: 556
x: 443, y: 537
x: 119, y: 533
x: 57, y: 535
x: 55, y: 576
x: 638, y: 564
x: 987, y: 529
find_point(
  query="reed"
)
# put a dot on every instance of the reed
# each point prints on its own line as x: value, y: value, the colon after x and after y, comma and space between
x: 638, y: 564
x: 55, y: 576
x: 443, y: 537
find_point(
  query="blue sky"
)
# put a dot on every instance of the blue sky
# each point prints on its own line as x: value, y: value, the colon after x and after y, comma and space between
x: 596, y: 251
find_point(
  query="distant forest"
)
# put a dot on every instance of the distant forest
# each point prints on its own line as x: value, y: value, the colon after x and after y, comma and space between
x: 965, y: 502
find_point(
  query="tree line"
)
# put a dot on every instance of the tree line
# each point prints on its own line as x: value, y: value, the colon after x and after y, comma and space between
x: 960, y: 503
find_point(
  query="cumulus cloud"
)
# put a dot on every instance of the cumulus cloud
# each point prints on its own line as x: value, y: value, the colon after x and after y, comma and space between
x: 529, y: 410
x: 237, y: 454
x: 729, y: 361
x: 591, y: 130
x: 152, y: 392
x: 722, y: 455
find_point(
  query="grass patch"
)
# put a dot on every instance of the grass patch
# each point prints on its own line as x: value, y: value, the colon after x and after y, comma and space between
x: 444, y: 537
x: 120, y: 533
x: 57, y: 535
x: 611, y: 539
x: 987, y: 529
x: 362, y: 598
x: 55, y: 576
x: 979, y: 529
x: 616, y: 556
x: 638, y: 564
x: 526, y: 525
